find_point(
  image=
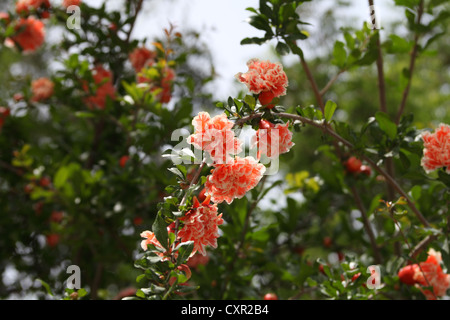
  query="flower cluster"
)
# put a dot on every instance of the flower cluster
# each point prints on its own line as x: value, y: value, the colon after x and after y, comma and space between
x: 144, y: 62
x: 436, y: 152
x: 265, y: 78
x: 427, y: 274
x: 29, y: 29
x: 42, y: 89
x: 199, y: 224
x: 104, y: 88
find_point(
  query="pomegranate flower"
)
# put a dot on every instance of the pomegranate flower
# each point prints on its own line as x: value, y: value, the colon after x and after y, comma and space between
x: 105, y: 88
x: 436, y: 152
x: 264, y: 78
x: 150, y: 238
x: 272, y: 140
x: 427, y: 274
x: 431, y: 274
x: 234, y: 179
x: 68, y: 3
x: 29, y: 35
x: 215, y: 136
x: 141, y: 57
x: 42, y: 89
x: 200, y: 224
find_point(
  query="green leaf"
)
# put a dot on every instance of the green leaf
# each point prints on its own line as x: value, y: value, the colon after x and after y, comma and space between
x: 386, y: 124
x: 444, y: 177
x: 84, y: 114
x: 339, y: 54
x: 282, y: 48
x: 160, y: 229
x: 330, y: 107
x: 177, y: 172
x: 46, y: 286
x: 184, y: 251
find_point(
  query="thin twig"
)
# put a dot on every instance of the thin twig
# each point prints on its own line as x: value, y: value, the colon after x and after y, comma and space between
x: 330, y: 83
x: 380, y: 71
x: 412, y: 63
x: 313, y: 83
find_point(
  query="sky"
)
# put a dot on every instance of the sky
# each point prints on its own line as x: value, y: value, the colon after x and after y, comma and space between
x: 224, y: 23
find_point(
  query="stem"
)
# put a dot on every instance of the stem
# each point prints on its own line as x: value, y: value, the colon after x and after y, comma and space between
x: 367, y: 226
x: 412, y: 63
x: 313, y: 84
x: 133, y: 22
x: 183, y: 201
x: 330, y: 83
x: 381, y: 81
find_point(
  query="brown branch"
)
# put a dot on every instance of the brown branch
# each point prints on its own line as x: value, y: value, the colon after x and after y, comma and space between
x: 313, y: 83
x: 412, y: 63
x: 380, y: 71
x: 330, y: 83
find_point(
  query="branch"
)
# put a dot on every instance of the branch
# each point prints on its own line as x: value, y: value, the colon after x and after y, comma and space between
x: 330, y: 83
x: 313, y: 84
x: 381, y: 81
x: 412, y: 63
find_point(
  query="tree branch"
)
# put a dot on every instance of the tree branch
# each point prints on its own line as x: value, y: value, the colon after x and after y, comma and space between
x: 412, y: 63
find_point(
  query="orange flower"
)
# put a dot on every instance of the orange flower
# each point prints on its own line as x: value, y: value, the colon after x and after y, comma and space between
x: 141, y: 57
x: 200, y: 224
x: 431, y: 274
x: 273, y: 140
x: 427, y: 274
x: 104, y: 88
x: 264, y: 78
x: 42, y: 89
x: 436, y: 152
x: 25, y: 6
x: 215, y: 136
x: 30, y: 34
x: 68, y: 3
x: 234, y: 179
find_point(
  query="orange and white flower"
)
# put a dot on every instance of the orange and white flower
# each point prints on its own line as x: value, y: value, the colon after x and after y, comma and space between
x: 200, y: 224
x: 264, y: 78
x: 233, y: 180
x: 272, y: 140
x: 215, y: 136
x: 427, y: 274
x: 436, y: 152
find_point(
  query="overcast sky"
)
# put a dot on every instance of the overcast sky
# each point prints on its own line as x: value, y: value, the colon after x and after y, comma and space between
x: 223, y: 25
